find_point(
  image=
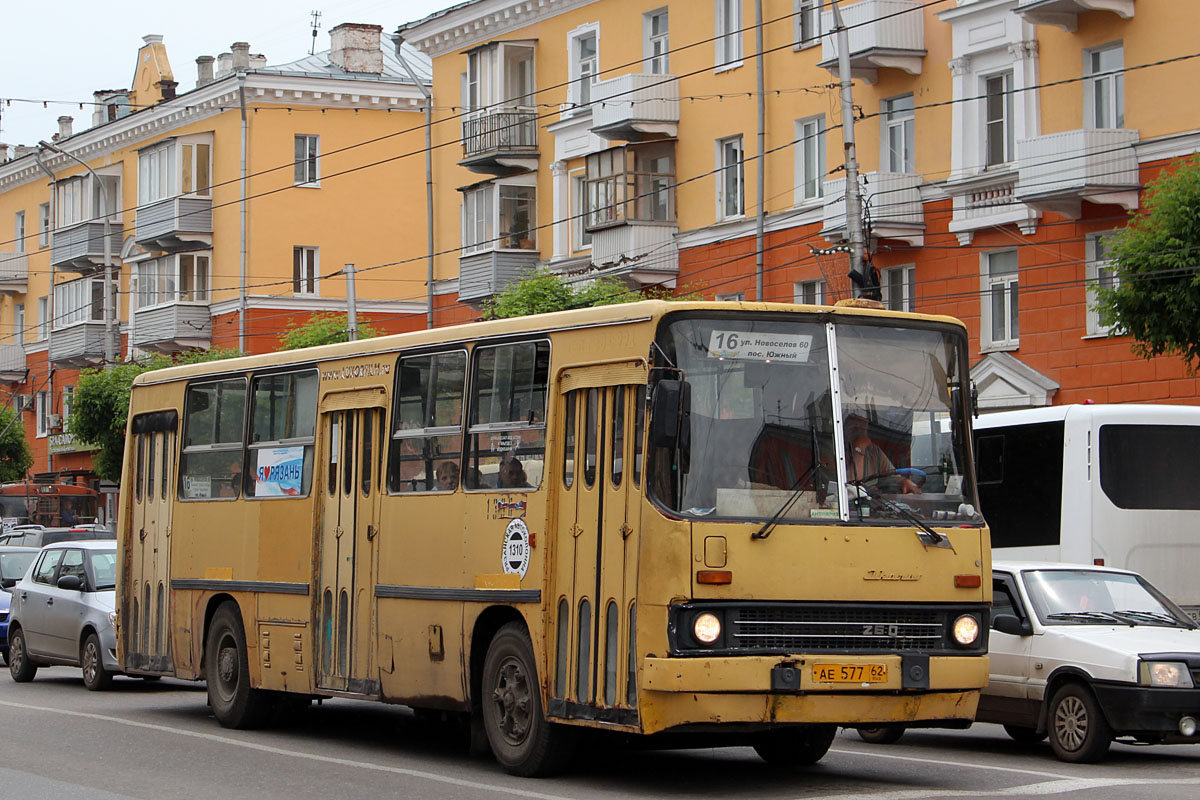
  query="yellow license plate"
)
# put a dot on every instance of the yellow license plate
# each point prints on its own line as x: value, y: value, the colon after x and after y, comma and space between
x: 850, y: 673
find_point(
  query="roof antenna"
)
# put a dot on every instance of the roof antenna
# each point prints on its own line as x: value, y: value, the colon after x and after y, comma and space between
x: 316, y: 24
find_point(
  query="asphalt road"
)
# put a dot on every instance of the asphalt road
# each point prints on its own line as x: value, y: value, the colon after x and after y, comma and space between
x: 157, y: 740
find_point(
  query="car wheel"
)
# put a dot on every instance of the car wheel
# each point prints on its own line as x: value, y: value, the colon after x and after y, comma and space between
x: 91, y: 659
x: 1024, y: 735
x: 522, y: 739
x: 881, y: 735
x: 795, y: 747
x: 1079, y: 733
x: 19, y: 665
x: 227, y: 671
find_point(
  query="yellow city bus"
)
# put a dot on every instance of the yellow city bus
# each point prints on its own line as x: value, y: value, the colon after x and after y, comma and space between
x: 649, y: 518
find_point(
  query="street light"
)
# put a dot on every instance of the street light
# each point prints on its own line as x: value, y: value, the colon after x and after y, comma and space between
x: 109, y: 346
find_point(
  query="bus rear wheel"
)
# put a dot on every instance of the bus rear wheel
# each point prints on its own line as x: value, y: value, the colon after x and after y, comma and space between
x: 523, y: 741
x: 800, y: 746
x: 227, y: 671
x: 881, y: 735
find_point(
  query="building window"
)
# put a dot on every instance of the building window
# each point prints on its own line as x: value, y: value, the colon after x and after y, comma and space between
x: 998, y: 127
x: 657, y: 43
x: 732, y: 297
x: 1000, y: 327
x: 809, y: 293
x: 518, y: 210
x: 585, y: 62
x: 19, y: 232
x: 810, y: 159
x: 80, y: 300
x: 808, y: 23
x: 156, y: 173
x: 899, y: 287
x: 180, y: 166
x: 44, y: 225
x: 182, y: 277
x: 70, y: 197
x: 728, y: 33
x: 631, y: 183
x: 43, y: 309
x: 510, y: 210
x: 307, y: 153
x: 305, y: 273
x: 899, y: 134
x: 1100, y: 275
x: 196, y: 169
x: 581, y: 237
x: 1104, y: 98
x: 478, y: 220
x: 41, y: 410
x: 19, y: 323
x: 731, y: 177
x: 512, y: 87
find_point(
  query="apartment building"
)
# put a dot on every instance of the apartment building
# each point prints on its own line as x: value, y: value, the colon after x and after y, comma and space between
x: 999, y: 142
x: 225, y: 213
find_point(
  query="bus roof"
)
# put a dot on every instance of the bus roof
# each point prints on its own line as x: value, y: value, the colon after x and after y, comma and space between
x: 1146, y: 413
x: 642, y: 311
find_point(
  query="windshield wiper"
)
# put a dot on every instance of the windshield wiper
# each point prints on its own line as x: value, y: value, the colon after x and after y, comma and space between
x: 927, y: 535
x: 1149, y: 616
x: 1088, y: 616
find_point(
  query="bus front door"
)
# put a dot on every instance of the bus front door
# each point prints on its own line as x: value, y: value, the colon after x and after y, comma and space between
x: 596, y: 569
x: 147, y: 637
x: 352, y: 441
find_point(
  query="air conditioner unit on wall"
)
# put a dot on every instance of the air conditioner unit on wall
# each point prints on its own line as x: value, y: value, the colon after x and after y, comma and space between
x: 54, y: 421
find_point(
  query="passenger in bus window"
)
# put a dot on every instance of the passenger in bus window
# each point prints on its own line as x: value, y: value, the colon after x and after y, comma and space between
x: 867, y: 461
x: 512, y: 475
x: 447, y: 476
x: 230, y: 487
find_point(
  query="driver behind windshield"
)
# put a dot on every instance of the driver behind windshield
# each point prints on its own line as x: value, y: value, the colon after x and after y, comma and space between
x: 866, y: 460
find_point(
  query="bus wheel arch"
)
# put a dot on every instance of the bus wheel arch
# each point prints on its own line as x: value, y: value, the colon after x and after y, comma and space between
x: 486, y: 626
x: 234, y: 701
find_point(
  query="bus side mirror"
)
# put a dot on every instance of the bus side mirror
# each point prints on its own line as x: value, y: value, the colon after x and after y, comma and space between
x: 671, y: 405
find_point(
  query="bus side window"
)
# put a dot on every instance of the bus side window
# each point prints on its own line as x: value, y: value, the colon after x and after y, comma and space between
x: 283, y: 424
x: 426, y: 447
x: 507, y: 444
x: 213, y: 424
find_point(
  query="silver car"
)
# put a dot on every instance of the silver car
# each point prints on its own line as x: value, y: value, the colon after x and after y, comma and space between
x: 62, y: 613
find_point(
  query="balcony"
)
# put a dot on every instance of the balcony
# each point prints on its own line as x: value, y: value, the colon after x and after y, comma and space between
x: 1065, y: 13
x: 78, y: 345
x: 641, y: 104
x: 14, y: 272
x: 172, y: 327
x: 497, y: 141
x: 176, y: 223
x: 882, y: 35
x: 644, y: 251
x: 1059, y: 171
x: 481, y: 275
x: 12, y: 363
x: 891, y: 203
x: 80, y: 247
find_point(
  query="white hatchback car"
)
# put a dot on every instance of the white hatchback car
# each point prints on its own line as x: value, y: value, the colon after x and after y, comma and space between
x: 1085, y: 655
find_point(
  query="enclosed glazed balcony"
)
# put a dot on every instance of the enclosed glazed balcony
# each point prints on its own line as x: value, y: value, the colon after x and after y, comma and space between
x: 891, y: 207
x: 630, y: 107
x: 645, y: 251
x: 1059, y: 171
x: 500, y: 140
x: 14, y: 272
x: 883, y: 34
x: 482, y: 275
x: 1065, y: 13
x: 172, y: 327
x: 80, y: 247
x: 176, y: 223
x: 78, y: 345
x: 12, y: 363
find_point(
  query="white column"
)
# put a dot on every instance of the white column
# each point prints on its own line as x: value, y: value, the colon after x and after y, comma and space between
x: 562, y: 209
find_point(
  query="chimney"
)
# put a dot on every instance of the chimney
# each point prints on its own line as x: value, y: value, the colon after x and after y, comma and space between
x: 152, y: 38
x: 224, y: 65
x: 204, y: 70
x: 21, y: 150
x: 355, y: 48
x: 241, y: 55
x: 3, y: 152
x: 166, y: 88
x: 64, y: 127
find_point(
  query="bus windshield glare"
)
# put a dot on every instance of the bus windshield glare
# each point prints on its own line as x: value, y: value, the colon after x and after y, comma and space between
x: 761, y: 429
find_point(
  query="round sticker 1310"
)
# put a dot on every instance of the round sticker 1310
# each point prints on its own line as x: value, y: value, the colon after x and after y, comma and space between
x: 515, y: 556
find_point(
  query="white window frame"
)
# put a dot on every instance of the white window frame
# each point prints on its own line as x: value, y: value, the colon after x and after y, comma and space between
x: 900, y: 122
x: 72, y: 196
x: 656, y: 47
x: 731, y: 297
x: 41, y: 413
x: 727, y: 34
x: 581, y: 237
x: 44, y: 225
x: 306, y: 167
x: 1099, y: 274
x: 482, y: 234
x: 807, y: 23
x: 19, y: 323
x: 1007, y: 121
x: 308, y: 282
x: 19, y: 232
x: 158, y: 173
x: 816, y: 288
x: 581, y: 71
x: 810, y: 148
x: 1112, y: 87
x: 43, y: 323
x: 724, y: 209
x: 160, y: 280
x: 899, y: 287
x: 1009, y: 285
x: 78, y: 301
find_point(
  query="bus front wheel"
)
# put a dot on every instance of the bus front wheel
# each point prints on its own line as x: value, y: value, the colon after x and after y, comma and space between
x: 227, y: 671
x: 795, y: 747
x: 522, y: 739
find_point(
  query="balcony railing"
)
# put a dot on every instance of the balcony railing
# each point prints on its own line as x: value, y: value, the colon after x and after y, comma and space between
x: 497, y: 138
x: 172, y: 327
x: 892, y: 207
x: 642, y: 249
x: 12, y: 362
x: 883, y: 33
x: 80, y: 247
x: 1065, y: 13
x: 628, y: 107
x: 482, y: 275
x: 174, y: 223
x: 14, y: 272
x: 77, y: 345
x: 1060, y: 170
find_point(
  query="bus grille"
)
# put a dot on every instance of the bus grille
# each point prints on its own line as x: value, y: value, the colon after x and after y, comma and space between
x: 813, y: 629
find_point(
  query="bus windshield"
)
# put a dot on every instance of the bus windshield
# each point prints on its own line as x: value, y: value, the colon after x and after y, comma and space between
x: 761, y: 431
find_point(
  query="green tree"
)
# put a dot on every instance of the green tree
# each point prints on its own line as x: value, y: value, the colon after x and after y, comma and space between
x: 541, y: 292
x: 15, y: 456
x: 1156, y: 297
x: 327, y: 328
x: 100, y: 406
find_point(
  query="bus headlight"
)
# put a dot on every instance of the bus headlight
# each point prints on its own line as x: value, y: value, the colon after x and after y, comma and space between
x: 966, y: 630
x: 1173, y: 674
x: 706, y: 628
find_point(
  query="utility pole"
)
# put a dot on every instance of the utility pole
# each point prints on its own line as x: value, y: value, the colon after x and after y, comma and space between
x: 351, y: 306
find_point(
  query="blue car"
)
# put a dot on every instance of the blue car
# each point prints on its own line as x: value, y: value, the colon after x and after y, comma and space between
x: 14, y: 561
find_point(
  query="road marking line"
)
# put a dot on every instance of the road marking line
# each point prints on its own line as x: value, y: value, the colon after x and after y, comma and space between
x: 212, y: 737
x: 1029, y: 790
x: 962, y: 764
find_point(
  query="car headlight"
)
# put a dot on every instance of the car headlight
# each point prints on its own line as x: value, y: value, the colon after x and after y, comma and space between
x: 966, y: 630
x: 706, y: 628
x: 1173, y: 674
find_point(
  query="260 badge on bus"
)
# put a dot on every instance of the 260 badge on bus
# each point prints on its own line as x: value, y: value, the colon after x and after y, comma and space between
x: 850, y: 673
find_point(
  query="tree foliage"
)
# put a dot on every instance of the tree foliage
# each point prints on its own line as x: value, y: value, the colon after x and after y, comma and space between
x: 542, y: 292
x: 100, y: 405
x: 1156, y: 298
x: 327, y: 328
x: 15, y: 456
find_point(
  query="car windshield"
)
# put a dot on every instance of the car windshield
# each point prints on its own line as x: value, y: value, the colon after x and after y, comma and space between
x: 104, y: 568
x: 13, y: 565
x: 1090, y: 597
